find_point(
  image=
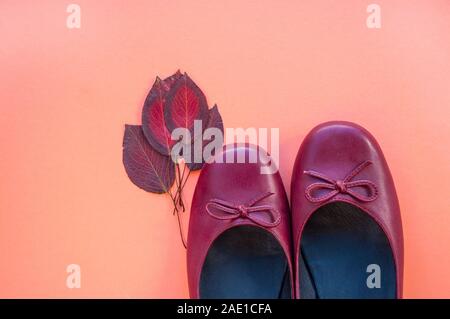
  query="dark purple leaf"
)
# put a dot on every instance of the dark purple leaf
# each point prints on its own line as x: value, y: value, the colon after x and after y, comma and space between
x: 147, y: 168
x: 214, y: 120
x: 153, y: 123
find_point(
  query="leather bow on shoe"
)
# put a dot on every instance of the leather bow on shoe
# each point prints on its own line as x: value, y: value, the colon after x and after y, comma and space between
x: 232, y: 211
x: 341, y: 186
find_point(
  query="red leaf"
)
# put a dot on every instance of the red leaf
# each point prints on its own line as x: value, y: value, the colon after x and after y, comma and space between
x: 214, y: 120
x: 153, y: 122
x: 170, y: 81
x: 185, y: 103
x: 146, y: 168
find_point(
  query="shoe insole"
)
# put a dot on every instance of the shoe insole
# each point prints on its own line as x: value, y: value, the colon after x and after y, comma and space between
x: 245, y: 262
x: 345, y: 254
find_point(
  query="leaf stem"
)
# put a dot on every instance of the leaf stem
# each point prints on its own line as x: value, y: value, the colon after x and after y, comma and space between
x: 180, y: 226
x: 180, y: 189
x: 177, y: 199
x: 175, y: 208
x: 187, y: 176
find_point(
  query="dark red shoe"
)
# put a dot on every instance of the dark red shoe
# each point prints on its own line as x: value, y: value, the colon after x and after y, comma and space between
x: 347, y: 230
x: 239, y: 232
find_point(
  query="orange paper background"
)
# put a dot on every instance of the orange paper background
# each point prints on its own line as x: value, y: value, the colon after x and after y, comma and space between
x: 67, y: 93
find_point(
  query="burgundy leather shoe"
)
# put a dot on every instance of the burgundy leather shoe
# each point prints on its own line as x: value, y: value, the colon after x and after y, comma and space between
x: 347, y: 230
x: 239, y: 232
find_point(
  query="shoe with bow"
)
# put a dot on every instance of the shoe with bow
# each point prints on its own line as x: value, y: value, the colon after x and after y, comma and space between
x: 239, y: 240
x: 346, y: 224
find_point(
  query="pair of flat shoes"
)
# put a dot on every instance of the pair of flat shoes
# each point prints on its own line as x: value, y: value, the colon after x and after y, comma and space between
x: 342, y: 237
